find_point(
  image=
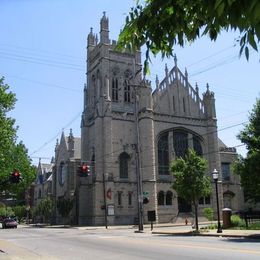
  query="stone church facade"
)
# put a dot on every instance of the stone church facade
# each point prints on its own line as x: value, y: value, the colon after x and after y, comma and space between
x: 130, y: 133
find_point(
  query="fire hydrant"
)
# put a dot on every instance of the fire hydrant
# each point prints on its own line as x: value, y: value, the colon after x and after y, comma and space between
x: 186, y: 222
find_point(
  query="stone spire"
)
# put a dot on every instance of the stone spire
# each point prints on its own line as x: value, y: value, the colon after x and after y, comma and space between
x: 209, y: 101
x: 91, y: 38
x: 71, y: 144
x: 104, y: 29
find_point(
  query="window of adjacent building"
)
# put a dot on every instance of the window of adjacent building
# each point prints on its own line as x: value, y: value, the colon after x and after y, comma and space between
x: 173, y: 103
x: 62, y: 173
x: 169, y: 197
x: 114, y: 89
x: 123, y: 165
x: 163, y: 155
x: 225, y: 169
x: 180, y: 143
x: 160, y: 198
x: 119, y: 198
x: 126, y: 91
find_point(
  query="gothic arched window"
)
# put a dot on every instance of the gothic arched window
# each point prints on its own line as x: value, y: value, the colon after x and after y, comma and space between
x: 123, y: 165
x: 160, y: 198
x: 126, y: 91
x: 197, y: 145
x: 114, y: 89
x: 169, y: 197
x: 180, y: 143
x: 163, y: 155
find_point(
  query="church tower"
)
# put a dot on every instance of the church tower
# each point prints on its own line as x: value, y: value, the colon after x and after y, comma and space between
x: 109, y: 132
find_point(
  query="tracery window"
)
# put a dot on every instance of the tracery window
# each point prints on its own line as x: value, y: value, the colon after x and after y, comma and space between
x: 114, y: 89
x: 123, y: 165
x: 163, y: 155
x: 180, y: 143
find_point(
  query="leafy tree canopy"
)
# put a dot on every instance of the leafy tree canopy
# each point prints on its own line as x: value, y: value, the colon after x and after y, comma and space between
x: 190, y: 179
x: 13, y: 155
x: 249, y: 167
x: 161, y: 24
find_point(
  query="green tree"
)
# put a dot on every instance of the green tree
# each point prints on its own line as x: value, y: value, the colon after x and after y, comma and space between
x: 7, y: 132
x: 64, y: 206
x: 161, y: 24
x: 190, y: 181
x: 13, y: 155
x: 249, y: 167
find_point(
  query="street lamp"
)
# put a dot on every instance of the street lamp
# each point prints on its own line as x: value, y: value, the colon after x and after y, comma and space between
x: 215, y: 178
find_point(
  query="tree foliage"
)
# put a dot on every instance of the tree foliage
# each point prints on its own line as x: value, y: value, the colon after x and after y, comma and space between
x: 161, y: 24
x: 7, y: 128
x: 190, y: 180
x: 249, y: 167
x: 13, y: 155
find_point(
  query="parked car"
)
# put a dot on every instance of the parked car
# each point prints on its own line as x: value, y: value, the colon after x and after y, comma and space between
x: 9, y: 223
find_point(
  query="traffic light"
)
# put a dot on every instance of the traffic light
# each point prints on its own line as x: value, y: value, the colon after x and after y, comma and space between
x: 15, y: 177
x: 84, y: 170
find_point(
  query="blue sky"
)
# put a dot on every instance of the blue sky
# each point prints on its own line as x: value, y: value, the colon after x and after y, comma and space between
x: 43, y: 59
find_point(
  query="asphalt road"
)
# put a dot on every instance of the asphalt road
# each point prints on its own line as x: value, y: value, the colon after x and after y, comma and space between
x: 97, y: 244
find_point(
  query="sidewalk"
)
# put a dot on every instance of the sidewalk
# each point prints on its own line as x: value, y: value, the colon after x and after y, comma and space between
x: 186, y: 231
x: 165, y: 229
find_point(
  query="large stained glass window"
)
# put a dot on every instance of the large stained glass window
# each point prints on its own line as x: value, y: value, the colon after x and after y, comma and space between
x: 180, y: 143
x: 163, y: 155
x: 197, y: 145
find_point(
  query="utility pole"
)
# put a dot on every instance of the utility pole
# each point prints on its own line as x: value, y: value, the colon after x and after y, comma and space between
x: 138, y: 166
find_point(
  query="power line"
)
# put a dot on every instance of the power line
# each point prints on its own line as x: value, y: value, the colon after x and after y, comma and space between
x: 42, y: 62
x: 44, y: 83
x: 58, y: 134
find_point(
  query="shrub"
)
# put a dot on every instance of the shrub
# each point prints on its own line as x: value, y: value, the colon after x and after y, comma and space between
x: 208, y: 213
x: 236, y: 221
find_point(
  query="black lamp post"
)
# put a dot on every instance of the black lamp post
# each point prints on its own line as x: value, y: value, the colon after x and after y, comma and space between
x: 215, y: 178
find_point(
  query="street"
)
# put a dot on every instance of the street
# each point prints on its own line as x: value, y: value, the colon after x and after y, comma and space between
x: 99, y: 243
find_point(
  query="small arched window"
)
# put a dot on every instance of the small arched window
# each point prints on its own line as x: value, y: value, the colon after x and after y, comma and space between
x: 114, y: 89
x: 161, y: 198
x: 123, y: 165
x: 169, y: 197
x: 126, y: 91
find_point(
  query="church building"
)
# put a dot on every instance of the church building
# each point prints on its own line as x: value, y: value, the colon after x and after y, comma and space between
x: 132, y: 131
